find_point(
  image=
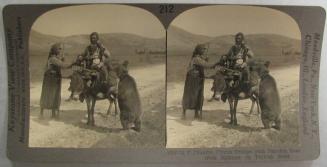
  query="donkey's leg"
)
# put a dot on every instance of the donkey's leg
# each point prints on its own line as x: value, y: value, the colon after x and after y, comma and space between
x: 253, y: 99
x: 213, y: 96
x: 92, y: 110
x: 234, y: 111
x: 88, y: 105
x: 116, y: 107
x: 258, y: 107
x: 231, y: 108
x: 109, y: 108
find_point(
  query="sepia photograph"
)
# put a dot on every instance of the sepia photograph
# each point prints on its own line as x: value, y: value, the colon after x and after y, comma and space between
x: 233, y: 76
x: 162, y: 83
x: 97, y: 78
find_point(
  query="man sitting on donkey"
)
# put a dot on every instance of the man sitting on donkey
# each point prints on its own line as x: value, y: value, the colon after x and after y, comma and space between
x: 234, y: 65
x: 95, y: 62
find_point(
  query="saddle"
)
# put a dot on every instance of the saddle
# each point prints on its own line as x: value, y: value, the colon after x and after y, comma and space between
x: 93, y: 75
x: 236, y: 85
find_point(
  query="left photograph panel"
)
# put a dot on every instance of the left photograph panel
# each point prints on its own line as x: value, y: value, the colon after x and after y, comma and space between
x: 97, y: 78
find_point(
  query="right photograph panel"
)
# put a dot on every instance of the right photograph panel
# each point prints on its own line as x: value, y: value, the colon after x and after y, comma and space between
x: 233, y: 78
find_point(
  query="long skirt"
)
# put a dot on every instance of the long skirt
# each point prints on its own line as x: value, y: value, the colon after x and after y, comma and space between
x: 193, y: 91
x: 51, y: 90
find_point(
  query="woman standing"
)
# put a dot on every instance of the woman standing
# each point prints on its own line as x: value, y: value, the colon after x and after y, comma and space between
x: 51, y: 87
x: 194, y: 83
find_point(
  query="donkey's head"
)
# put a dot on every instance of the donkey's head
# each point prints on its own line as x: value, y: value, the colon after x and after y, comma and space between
x: 76, y: 84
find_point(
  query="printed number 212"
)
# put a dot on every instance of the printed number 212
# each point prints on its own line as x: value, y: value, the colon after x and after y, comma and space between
x: 166, y: 8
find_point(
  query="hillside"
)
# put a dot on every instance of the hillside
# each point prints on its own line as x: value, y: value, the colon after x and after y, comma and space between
x: 122, y: 46
x: 117, y: 43
x: 263, y: 45
x: 181, y: 40
x: 41, y: 43
x: 280, y: 50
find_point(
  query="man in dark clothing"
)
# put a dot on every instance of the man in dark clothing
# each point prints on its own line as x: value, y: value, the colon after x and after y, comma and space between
x: 238, y: 55
x: 235, y: 63
x: 97, y: 58
x: 95, y: 55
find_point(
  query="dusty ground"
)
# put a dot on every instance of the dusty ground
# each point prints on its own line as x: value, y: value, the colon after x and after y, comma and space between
x: 71, y: 131
x: 214, y: 129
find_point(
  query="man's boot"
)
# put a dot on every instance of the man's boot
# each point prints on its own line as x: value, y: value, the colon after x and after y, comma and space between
x: 81, y: 97
x: 224, y: 96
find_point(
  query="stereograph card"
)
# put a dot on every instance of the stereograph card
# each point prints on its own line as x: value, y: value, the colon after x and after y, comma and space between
x: 162, y: 83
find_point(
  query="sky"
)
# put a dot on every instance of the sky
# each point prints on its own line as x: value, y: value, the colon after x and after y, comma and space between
x: 224, y: 20
x: 103, y: 18
x: 213, y: 20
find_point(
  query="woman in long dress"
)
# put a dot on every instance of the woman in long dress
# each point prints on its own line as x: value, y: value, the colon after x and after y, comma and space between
x: 51, y: 87
x: 194, y: 83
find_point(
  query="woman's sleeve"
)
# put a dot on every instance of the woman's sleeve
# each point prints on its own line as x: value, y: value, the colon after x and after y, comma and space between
x: 200, y: 62
x: 58, y: 62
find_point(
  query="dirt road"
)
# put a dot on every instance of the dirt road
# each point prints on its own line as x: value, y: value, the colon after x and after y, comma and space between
x: 71, y: 131
x: 214, y: 130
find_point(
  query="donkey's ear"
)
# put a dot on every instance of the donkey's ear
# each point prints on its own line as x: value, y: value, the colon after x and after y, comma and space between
x: 267, y: 64
x: 125, y: 63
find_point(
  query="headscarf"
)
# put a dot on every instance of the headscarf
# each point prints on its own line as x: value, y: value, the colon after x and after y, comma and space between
x: 198, y: 49
x: 53, y: 52
x: 197, y: 52
x: 54, y: 49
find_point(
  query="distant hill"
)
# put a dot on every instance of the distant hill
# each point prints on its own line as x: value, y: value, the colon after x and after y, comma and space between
x: 119, y: 44
x: 263, y: 45
x: 280, y: 50
x: 41, y: 43
x: 181, y: 42
x: 122, y: 46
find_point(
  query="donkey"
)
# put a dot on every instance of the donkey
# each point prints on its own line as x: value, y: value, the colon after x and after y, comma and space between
x: 91, y: 91
x: 238, y: 91
x: 219, y: 85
